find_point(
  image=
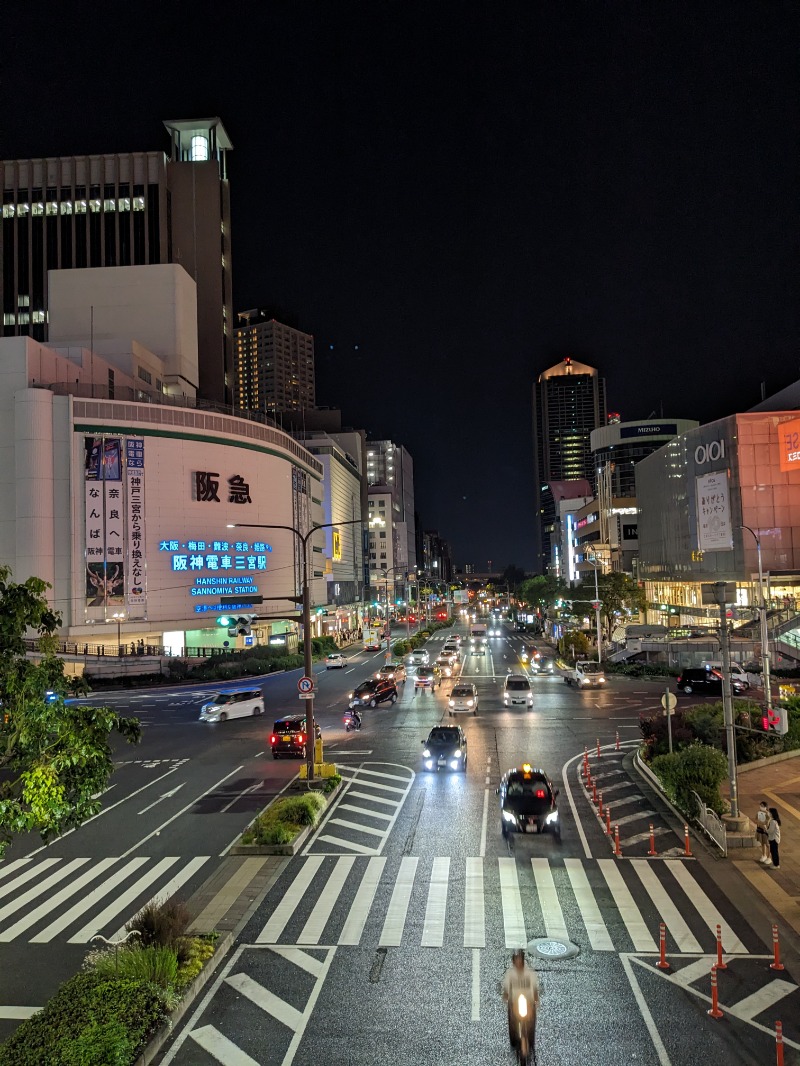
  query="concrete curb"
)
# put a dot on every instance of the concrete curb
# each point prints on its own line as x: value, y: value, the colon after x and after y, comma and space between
x: 293, y: 846
x: 768, y: 760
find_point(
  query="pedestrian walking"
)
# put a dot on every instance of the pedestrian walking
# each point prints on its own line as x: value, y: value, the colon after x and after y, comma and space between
x: 774, y: 837
x: 762, y: 820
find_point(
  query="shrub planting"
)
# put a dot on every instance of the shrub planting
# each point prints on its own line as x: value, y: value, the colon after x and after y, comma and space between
x: 160, y: 924
x: 696, y: 768
x: 281, y: 822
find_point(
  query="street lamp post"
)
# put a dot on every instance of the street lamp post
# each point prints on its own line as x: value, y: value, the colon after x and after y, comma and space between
x: 305, y: 602
x: 594, y: 564
x: 762, y: 611
x: 118, y: 617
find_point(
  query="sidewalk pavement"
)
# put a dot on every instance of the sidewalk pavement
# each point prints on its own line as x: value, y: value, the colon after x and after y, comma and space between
x: 779, y: 784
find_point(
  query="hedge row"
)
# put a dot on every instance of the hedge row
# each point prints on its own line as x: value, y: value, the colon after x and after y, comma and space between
x: 405, y: 647
x: 281, y: 822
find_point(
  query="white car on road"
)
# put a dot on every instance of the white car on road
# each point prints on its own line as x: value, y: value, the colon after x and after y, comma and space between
x: 463, y: 699
x: 335, y: 661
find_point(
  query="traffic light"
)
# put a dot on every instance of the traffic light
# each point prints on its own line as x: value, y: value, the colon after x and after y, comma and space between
x: 776, y: 720
x: 223, y: 620
x: 242, y: 626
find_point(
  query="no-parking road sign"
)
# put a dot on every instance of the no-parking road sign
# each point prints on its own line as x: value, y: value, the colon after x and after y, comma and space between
x: 305, y: 685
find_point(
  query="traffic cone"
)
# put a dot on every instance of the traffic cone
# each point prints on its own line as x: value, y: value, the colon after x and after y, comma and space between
x: 715, y: 1012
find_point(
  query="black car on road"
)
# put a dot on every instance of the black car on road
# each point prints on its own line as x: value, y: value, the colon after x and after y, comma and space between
x: 445, y: 749
x: 706, y: 683
x: 289, y: 737
x: 373, y: 691
x: 528, y: 802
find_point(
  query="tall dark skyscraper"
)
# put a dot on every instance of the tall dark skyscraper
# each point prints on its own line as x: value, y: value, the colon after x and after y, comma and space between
x: 569, y: 401
x: 125, y: 209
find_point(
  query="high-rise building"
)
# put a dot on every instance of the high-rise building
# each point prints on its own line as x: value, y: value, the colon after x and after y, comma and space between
x: 124, y: 209
x: 391, y: 465
x: 569, y: 401
x: 274, y: 365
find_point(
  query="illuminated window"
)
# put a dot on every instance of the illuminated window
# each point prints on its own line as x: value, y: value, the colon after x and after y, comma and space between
x: 94, y: 206
x: 8, y: 212
x: 23, y: 209
x: 109, y: 205
x: 38, y: 209
x: 138, y: 203
x: 66, y: 207
x: 198, y: 152
x: 52, y: 208
x: 124, y: 203
x: 80, y: 207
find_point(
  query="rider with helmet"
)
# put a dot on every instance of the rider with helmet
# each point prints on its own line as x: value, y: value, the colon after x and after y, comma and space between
x: 520, y: 979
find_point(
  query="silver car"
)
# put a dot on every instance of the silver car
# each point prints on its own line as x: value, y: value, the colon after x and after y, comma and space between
x: 419, y: 657
x: 463, y: 699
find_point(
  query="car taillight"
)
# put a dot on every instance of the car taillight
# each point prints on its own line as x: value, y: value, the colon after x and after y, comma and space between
x: 301, y: 740
x: 540, y: 793
x: 273, y: 740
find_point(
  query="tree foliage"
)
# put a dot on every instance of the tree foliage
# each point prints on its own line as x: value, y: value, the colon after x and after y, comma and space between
x: 617, y: 592
x: 542, y: 591
x: 55, y: 756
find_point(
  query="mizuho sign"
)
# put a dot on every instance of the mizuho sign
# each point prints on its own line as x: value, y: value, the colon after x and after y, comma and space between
x: 709, y: 453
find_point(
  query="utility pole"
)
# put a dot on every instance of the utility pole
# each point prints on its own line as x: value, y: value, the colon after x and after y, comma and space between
x: 762, y: 611
x: 719, y: 594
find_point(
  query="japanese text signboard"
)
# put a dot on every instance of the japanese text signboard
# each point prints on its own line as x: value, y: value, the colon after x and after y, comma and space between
x: 714, y: 530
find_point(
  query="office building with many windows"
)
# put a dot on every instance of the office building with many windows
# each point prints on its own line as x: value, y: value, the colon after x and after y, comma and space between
x: 569, y: 401
x: 391, y: 465
x: 124, y: 209
x: 274, y: 365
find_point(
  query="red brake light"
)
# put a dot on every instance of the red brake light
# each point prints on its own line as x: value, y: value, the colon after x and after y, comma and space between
x: 273, y: 740
x: 540, y: 793
x: 301, y: 738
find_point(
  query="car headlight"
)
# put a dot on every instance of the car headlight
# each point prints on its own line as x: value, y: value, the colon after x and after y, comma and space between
x: 552, y: 817
x: 452, y: 703
x: 457, y: 754
x: 509, y: 817
x: 429, y: 764
x: 352, y: 695
x: 426, y: 754
x: 601, y: 681
x: 470, y: 703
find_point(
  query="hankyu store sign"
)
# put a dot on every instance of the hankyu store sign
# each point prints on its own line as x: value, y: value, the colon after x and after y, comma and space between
x: 217, y: 568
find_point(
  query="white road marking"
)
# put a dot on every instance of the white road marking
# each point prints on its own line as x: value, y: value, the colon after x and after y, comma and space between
x: 513, y: 917
x: 474, y: 916
x: 163, y: 894
x: 644, y: 1010
x: 578, y: 824
x: 590, y: 912
x: 706, y: 909
x: 224, y: 1051
x: 484, y: 822
x: 41, y: 886
x: 13, y: 931
x: 762, y: 1000
x: 395, y: 921
x: 628, y: 911
x: 433, y: 927
x: 17, y: 1014
x: 553, y: 916
x: 476, y: 985
x: 284, y: 1012
x: 83, y: 905
x: 667, y: 911
x: 288, y: 904
x: 315, y: 926
x: 362, y: 902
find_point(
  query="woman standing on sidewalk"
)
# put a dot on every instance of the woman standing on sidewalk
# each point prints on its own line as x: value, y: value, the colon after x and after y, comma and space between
x: 774, y: 836
x: 762, y: 820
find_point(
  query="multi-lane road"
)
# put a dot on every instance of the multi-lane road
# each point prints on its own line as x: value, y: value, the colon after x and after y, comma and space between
x: 388, y: 934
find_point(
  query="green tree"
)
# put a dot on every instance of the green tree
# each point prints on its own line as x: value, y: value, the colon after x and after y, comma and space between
x: 574, y: 645
x: 512, y: 576
x: 617, y: 592
x: 55, y: 757
x: 542, y: 591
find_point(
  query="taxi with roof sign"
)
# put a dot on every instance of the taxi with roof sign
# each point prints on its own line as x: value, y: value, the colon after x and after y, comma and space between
x: 528, y: 802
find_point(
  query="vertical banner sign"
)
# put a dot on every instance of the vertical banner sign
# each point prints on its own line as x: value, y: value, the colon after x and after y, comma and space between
x: 714, y: 531
x: 789, y: 438
x: 105, y: 552
x: 135, y: 585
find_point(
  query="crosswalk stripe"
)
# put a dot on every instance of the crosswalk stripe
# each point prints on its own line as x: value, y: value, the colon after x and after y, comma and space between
x: 635, y: 817
x: 288, y: 904
x: 318, y: 919
x: 41, y: 886
x: 221, y: 1049
x: 299, y: 958
x: 85, y: 934
x: 169, y: 890
x: 433, y: 928
x: 553, y: 916
x: 751, y: 1006
x: 83, y: 905
x: 267, y: 1001
x: 590, y: 912
x: 34, y: 871
x: 13, y: 931
x: 628, y: 911
x: 365, y: 811
x: 626, y: 801
x: 705, y: 908
x: 395, y: 920
x: 365, y: 894
x: 381, y: 773
x: 474, y: 917
x: 667, y: 911
x: 353, y: 794
x: 9, y: 867
x: 351, y: 845
x: 513, y: 918
x: 367, y: 829
x: 393, y: 789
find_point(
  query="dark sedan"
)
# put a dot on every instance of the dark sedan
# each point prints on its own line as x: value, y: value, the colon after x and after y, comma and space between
x: 445, y: 749
x: 528, y: 802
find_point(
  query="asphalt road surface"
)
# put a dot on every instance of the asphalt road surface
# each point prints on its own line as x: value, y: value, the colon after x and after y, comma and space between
x: 386, y: 937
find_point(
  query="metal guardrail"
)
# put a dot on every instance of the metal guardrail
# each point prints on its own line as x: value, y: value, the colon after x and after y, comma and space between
x: 711, y: 824
x: 133, y: 650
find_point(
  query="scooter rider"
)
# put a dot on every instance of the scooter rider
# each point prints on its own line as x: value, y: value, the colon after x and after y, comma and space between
x: 354, y: 717
x: 520, y: 979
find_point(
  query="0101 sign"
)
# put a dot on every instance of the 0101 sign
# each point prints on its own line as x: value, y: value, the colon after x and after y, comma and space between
x: 789, y: 438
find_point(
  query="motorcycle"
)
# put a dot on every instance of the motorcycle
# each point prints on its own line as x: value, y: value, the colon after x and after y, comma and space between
x: 352, y: 721
x: 526, y: 1030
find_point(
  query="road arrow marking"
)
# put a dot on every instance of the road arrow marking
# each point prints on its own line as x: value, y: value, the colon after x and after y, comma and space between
x: 166, y: 795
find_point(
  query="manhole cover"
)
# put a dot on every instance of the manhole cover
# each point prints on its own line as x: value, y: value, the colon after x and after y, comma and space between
x: 547, y: 948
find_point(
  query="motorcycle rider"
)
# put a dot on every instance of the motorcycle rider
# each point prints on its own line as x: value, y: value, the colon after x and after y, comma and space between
x: 354, y: 716
x: 520, y: 979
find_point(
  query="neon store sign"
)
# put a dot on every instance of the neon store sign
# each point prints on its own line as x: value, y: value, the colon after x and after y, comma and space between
x: 219, y: 567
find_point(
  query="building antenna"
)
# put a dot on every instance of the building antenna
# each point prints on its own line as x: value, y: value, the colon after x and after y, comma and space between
x: 763, y: 391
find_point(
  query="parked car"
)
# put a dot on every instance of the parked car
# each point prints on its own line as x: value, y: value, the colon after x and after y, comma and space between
x: 289, y: 737
x: 445, y: 749
x: 528, y: 802
x: 395, y: 671
x: 241, y: 703
x: 517, y: 689
x: 335, y: 661
x: 373, y: 691
x: 463, y: 699
x: 706, y: 682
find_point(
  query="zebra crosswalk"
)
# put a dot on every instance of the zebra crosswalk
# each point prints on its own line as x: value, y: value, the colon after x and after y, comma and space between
x: 75, y: 899
x: 600, y: 904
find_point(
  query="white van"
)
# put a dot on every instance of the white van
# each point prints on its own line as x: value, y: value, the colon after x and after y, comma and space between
x: 243, y: 703
x: 737, y: 670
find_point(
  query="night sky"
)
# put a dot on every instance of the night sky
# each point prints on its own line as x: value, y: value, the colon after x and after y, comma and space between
x: 453, y: 196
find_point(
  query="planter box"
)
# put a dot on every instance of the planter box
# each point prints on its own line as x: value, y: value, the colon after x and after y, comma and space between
x: 293, y: 846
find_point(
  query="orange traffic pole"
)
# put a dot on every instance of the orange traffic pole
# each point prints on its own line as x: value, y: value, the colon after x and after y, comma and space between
x: 687, y: 848
x: 594, y: 792
x: 617, y: 744
x: 715, y: 1012
x: 778, y: 1043
x: 608, y: 821
x: 588, y: 778
x: 617, y: 848
x: 599, y: 753
x: 662, y: 963
x: 652, y: 850
x: 600, y: 804
x: 721, y: 965
x: 776, y: 963
x: 585, y: 767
